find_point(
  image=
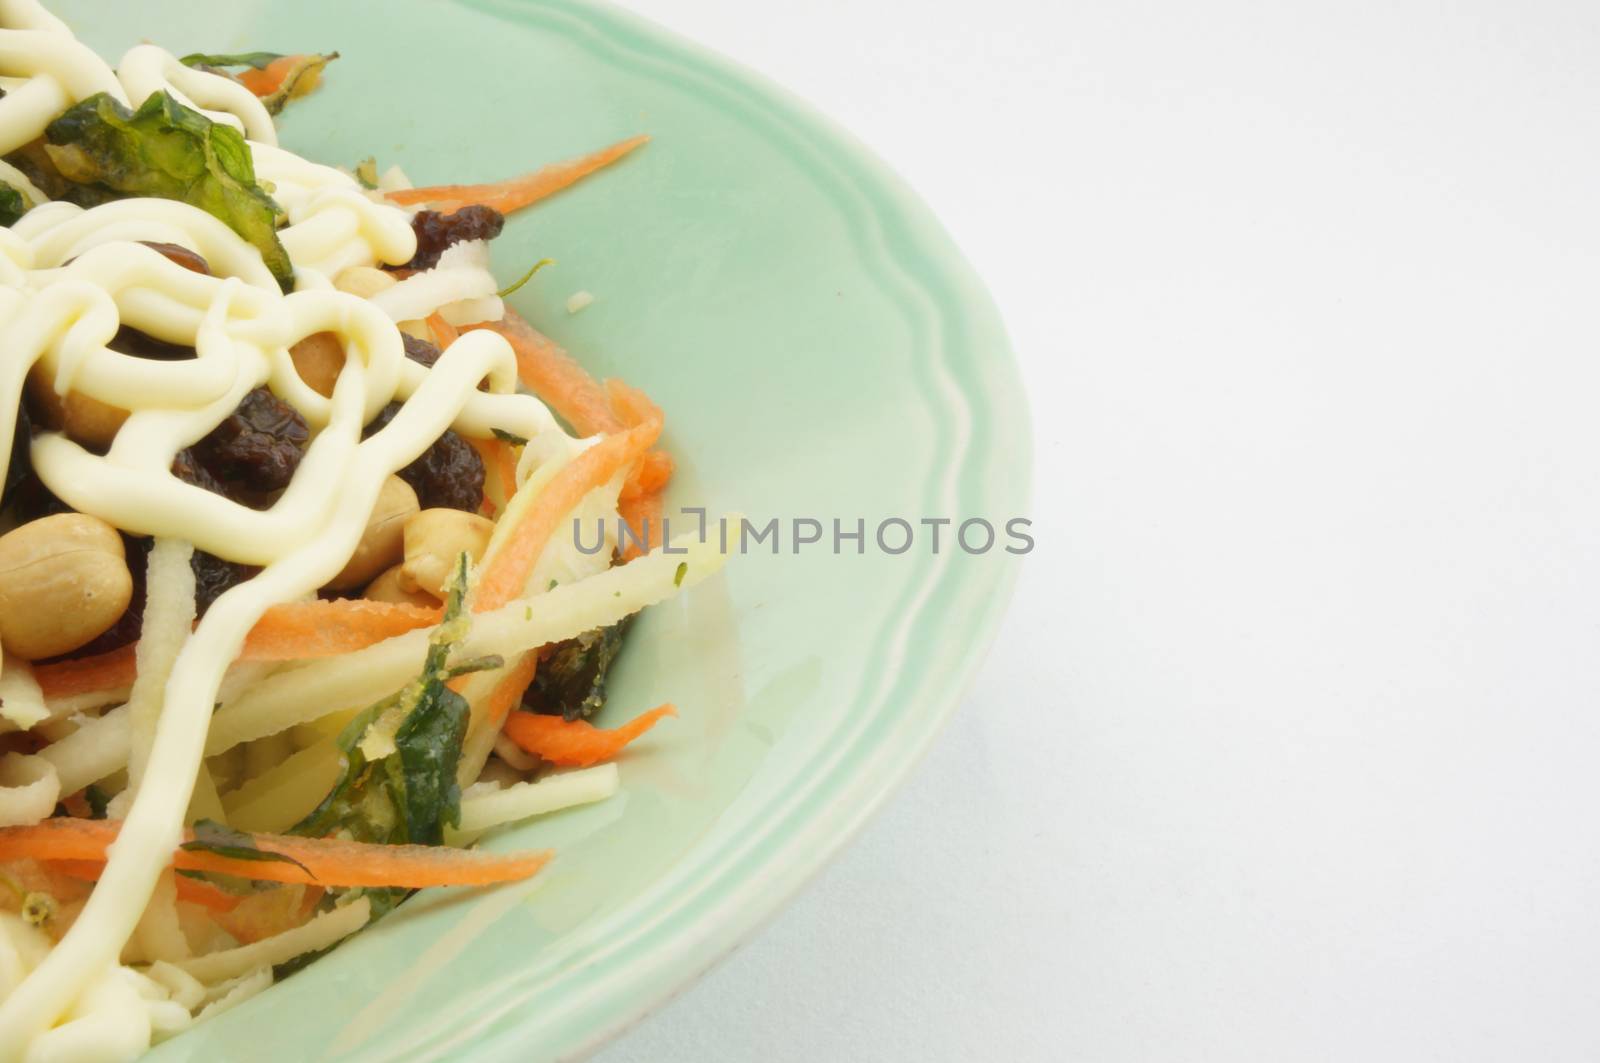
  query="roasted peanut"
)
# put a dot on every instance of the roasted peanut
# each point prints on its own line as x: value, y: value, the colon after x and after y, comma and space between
x: 383, y: 542
x: 387, y: 588
x: 364, y: 281
x: 318, y: 359
x: 89, y: 421
x: 63, y: 580
x: 435, y: 539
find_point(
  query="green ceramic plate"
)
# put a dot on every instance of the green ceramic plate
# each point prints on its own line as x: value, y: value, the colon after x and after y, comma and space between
x: 821, y: 351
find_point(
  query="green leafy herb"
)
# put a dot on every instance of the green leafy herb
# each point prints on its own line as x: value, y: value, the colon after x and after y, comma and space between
x: 213, y: 837
x: 509, y: 437
x: 475, y: 664
x: 367, y: 172
x: 12, y: 205
x: 408, y: 794
x: 571, y: 680
x: 170, y: 151
x: 258, y: 60
x: 678, y: 574
x: 526, y: 277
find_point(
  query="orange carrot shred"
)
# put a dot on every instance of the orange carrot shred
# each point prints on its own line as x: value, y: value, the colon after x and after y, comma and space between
x: 317, y: 628
x: 577, y: 743
x: 290, y: 631
x: 105, y: 671
x: 507, y: 694
x: 269, y: 79
x: 643, y: 514
x: 504, y: 576
x: 444, y: 333
x: 556, y: 377
x: 500, y: 473
x: 195, y: 891
x: 651, y: 475
x: 505, y: 467
x: 326, y: 861
x: 633, y: 407
x: 518, y: 192
x: 286, y: 77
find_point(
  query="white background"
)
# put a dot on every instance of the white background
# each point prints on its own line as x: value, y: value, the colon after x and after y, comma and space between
x: 1287, y: 750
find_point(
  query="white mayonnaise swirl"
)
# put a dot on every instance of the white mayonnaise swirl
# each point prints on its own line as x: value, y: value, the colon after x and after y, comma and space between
x: 68, y: 279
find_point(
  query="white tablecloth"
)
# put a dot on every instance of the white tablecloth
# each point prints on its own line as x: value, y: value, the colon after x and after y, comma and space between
x: 1288, y: 747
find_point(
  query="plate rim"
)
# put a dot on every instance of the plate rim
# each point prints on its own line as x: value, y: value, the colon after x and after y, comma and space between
x: 994, y: 401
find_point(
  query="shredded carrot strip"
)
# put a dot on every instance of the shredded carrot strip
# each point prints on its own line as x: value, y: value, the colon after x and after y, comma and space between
x: 577, y: 743
x: 654, y: 468
x: 518, y: 192
x: 591, y: 409
x: 556, y: 377
x: 327, y: 861
x: 500, y: 474
x: 504, y: 577
x: 643, y: 514
x: 290, y: 631
x: 507, y: 694
x: 195, y: 891
x: 105, y: 671
x: 650, y: 475
x: 269, y: 79
x: 296, y: 630
x: 292, y: 76
x: 505, y: 467
x: 444, y: 333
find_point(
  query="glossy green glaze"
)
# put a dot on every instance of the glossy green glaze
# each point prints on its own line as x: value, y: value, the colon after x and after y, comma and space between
x: 821, y: 351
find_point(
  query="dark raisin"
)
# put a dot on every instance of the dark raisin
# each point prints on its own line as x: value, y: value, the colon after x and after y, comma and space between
x: 448, y: 475
x: 131, y: 341
x: 184, y: 257
x: 19, y: 467
x: 257, y: 448
x: 29, y: 499
x: 571, y: 677
x: 437, y: 232
x: 213, y: 576
x: 186, y: 467
x: 420, y: 351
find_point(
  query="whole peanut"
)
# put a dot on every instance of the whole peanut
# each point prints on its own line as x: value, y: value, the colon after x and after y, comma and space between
x: 88, y: 421
x: 64, y: 579
x: 387, y: 588
x: 383, y: 542
x: 435, y: 539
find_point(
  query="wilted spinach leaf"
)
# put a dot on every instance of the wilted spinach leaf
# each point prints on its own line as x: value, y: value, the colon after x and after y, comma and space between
x: 410, y: 794
x: 12, y: 205
x: 258, y: 60
x: 170, y: 151
x: 571, y: 681
x: 222, y: 840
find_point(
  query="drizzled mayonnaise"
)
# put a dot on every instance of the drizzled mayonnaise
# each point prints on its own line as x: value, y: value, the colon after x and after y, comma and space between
x: 68, y: 279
